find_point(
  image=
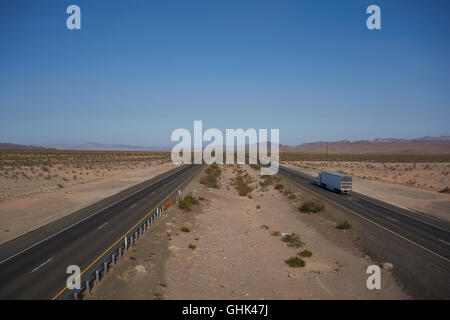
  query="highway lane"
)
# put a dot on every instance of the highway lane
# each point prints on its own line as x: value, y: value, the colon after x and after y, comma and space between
x: 417, y: 244
x: 34, y: 266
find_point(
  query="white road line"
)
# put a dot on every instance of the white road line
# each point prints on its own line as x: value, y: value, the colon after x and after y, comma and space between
x: 392, y: 219
x: 134, y: 205
x: 102, y: 225
x: 42, y: 264
x: 444, y: 242
x: 76, y: 223
x: 410, y: 217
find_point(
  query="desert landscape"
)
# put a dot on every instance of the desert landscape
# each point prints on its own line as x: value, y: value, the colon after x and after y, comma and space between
x: 237, y: 235
x: 40, y: 186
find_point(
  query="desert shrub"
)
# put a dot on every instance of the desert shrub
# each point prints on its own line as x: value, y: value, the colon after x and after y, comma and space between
x: 312, y: 206
x: 168, y: 204
x: 345, y: 225
x: 265, y: 227
x: 293, y: 240
x: 185, y: 229
x: 267, y: 181
x: 445, y: 190
x: 279, y: 186
x: 242, y: 186
x: 306, y: 253
x: 291, y: 196
x: 192, y: 246
x: 276, y: 233
x: 187, y: 203
x: 210, y: 181
x: 213, y: 172
x: 295, y: 262
x: 258, y: 207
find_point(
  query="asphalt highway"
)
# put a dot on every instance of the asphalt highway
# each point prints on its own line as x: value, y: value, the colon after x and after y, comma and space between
x: 417, y: 244
x: 34, y: 265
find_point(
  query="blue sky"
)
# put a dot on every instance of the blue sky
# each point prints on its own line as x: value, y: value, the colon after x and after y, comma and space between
x: 139, y: 69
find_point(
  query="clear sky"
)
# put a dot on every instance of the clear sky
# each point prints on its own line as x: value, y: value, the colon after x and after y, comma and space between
x: 139, y: 69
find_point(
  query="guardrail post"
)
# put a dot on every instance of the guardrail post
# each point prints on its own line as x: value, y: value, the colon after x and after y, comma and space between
x: 113, y: 259
x: 97, y: 276
x: 120, y: 252
x: 145, y: 225
x: 126, y: 243
x: 131, y: 241
x: 75, y: 296
x: 136, y: 235
x: 88, y: 286
x: 140, y: 231
x: 105, y: 266
x: 148, y: 223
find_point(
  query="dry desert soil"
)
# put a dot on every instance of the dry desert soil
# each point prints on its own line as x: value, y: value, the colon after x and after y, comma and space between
x: 229, y: 246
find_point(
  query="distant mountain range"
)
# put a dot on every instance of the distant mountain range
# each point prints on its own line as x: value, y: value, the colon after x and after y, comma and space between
x: 424, y: 145
x: 13, y: 146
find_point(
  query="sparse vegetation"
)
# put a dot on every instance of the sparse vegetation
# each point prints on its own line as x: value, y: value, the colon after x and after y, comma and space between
x: 242, y: 184
x: 445, y: 190
x: 279, y: 186
x: 185, y: 229
x: 187, y: 202
x: 312, y: 206
x: 276, y: 233
x: 344, y: 225
x: 306, y: 253
x: 35, y: 170
x: 213, y: 173
x: 192, y: 246
x: 293, y: 240
x: 295, y: 262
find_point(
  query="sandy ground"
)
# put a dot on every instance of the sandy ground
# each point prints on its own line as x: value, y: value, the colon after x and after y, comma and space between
x: 237, y: 257
x: 378, y: 181
x: 34, y: 205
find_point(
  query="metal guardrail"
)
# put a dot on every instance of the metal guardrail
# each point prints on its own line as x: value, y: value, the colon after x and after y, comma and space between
x: 116, y: 253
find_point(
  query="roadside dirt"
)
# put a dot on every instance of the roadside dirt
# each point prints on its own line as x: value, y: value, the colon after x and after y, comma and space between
x: 233, y: 251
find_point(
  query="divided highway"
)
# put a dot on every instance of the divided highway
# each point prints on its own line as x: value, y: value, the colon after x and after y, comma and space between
x: 417, y: 244
x: 34, y: 265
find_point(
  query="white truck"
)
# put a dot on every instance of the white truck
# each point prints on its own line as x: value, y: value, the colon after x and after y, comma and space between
x: 334, y: 181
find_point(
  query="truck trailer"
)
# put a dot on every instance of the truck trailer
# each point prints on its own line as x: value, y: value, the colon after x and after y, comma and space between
x: 334, y: 181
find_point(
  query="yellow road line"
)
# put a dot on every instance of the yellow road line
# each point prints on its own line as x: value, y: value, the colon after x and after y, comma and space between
x: 120, y: 239
x: 368, y: 220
